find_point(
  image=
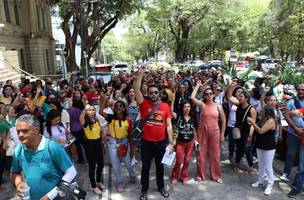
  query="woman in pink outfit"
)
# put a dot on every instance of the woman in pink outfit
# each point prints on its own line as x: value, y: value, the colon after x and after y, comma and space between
x: 209, y: 134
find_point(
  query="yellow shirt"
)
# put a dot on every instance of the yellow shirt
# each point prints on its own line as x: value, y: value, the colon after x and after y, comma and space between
x: 117, y: 131
x: 170, y: 94
x: 94, y: 133
x: 31, y: 103
x: 5, y: 100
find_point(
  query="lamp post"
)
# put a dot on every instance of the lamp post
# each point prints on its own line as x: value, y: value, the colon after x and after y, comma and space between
x: 86, y: 63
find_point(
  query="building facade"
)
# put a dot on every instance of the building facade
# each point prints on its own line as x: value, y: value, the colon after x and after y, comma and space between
x: 26, y: 39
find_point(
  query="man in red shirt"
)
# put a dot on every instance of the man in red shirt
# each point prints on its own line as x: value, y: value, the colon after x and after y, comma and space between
x: 153, y: 144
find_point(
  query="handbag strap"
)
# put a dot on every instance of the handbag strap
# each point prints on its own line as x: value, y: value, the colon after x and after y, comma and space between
x: 245, y: 116
x: 142, y: 122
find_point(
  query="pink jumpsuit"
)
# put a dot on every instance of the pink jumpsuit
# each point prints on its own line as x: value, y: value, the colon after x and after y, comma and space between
x: 208, y: 134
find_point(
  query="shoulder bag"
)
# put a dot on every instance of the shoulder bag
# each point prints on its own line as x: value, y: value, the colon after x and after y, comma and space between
x: 236, y: 132
x: 136, y: 133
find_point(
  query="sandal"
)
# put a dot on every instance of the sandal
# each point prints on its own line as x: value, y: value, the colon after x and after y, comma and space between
x: 174, y: 181
x: 185, y: 182
x: 164, y: 193
x: 252, y: 171
x: 143, y: 196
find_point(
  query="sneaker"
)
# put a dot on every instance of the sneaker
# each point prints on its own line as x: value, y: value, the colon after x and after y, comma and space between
x: 97, y: 191
x: 284, y: 177
x: 293, y: 193
x: 227, y: 162
x: 133, y: 180
x: 164, y: 192
x: 220, y: 181
x: 268, y: 190
x: 255, y: 160
x: 120, y: 188
x: 256, y: 184
x: 143, y: 196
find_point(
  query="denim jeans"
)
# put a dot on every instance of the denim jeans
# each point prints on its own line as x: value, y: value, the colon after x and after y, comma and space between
x: 115, y: 160
x: 243, y: 147
x: 299, y: 180
x: 293, y: 143
x: 231, y: 145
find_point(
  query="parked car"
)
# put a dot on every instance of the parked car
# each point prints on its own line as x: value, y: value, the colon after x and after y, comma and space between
x: 270, y: 64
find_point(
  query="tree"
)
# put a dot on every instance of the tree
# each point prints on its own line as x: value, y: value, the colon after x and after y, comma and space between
x: 90, y: 20
x: 180, y: 16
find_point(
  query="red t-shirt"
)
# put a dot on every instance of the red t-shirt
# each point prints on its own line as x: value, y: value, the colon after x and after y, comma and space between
x: 155, y: 127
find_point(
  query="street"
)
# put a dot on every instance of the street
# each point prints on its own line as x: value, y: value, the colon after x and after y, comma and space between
x: 235, y: 186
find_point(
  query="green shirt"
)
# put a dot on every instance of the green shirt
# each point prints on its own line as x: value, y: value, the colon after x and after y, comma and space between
x: 5, y: 125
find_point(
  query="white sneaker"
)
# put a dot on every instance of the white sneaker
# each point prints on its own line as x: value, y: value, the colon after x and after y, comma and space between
x: 284, y: 177
x: 268, y: 190
x: 227, y: 162
x: 97, y: 191
x: 256, y: 184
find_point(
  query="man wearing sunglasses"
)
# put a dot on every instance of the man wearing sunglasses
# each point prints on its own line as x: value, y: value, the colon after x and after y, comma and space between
x: 294, y: 135
x: 154, y: 140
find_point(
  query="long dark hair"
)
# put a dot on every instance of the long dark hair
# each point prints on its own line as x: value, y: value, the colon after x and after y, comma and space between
x: 52, y: 114
x: 268, y: 114
x: 77, y: 103
x: 6, y: 86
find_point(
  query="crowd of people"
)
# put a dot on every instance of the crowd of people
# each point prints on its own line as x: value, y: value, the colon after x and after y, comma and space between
x: 183, y: 112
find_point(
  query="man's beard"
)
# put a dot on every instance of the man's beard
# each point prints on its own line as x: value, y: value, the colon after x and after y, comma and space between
x: 153, y: 100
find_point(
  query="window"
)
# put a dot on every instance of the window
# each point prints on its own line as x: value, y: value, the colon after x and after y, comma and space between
x: 47, y: 63
x: 43, y: 20
x: 38, y: 17
x: 16, y: 13
x: 6, y: 9
x: 21, y: 57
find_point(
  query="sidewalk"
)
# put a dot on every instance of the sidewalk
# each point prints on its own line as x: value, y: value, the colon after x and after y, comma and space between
x: 235, y: 186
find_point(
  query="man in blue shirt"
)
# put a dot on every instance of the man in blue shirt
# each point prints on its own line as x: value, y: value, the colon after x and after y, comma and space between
x: 299, y: 179
x: 295, y: 130
x: 38, y: 162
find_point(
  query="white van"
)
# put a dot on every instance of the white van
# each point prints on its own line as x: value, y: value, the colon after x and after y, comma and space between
x: 120, y: 67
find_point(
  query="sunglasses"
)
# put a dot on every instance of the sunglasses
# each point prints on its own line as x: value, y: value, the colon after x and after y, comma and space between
x: 153, y: 92
x: 219, y: 90
x: 119, y: 105
x: 208, y: 93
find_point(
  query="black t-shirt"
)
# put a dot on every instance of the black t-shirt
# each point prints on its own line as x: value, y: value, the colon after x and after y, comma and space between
x: 185, y: 129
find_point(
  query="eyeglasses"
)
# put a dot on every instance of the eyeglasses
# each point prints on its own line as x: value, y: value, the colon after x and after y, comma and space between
x: 219, y: 90
x: 300, y: 90
x: 119, y: 105
x: 209, y: 94
x: 153, y: 92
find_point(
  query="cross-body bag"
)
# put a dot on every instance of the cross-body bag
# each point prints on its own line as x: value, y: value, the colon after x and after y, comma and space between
x: 136, y: 133
x: 236, y: 132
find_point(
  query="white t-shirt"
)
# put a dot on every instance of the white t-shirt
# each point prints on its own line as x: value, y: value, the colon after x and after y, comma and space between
x: 14, y: 135
x: 65, y: 118
x: 58, y: 133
